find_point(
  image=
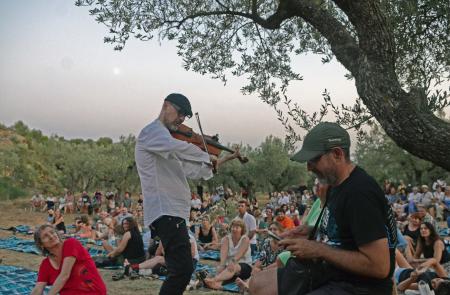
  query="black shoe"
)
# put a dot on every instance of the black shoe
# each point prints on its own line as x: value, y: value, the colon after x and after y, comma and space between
x: 134, y: 275
x: 118, y: 276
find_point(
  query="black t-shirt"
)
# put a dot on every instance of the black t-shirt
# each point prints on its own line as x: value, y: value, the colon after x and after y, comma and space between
x: 427, y: 276
x: 135, y: 246
x: 86, y: 199
x: 357, y: 213
x: 428, y: 252
x: 413, y: 234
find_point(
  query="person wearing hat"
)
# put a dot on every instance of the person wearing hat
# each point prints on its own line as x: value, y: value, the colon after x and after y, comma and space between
x: 164, y: 164
x: 357, y: 233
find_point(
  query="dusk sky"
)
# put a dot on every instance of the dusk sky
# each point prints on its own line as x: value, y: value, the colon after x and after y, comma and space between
x: 57, y: 75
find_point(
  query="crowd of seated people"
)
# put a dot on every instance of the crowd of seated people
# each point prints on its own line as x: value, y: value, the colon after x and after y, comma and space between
x: 243, y: 241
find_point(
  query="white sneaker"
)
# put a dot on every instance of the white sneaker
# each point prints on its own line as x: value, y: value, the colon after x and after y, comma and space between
x: 145, y: 272
x: 193, y: 285
x: 412, y: 292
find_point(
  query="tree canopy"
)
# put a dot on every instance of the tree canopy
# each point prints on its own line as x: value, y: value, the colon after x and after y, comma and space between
x: 396, y: 52
x: 31, y: 161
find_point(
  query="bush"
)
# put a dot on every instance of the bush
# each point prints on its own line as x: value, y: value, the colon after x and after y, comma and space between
x: 8, y: 191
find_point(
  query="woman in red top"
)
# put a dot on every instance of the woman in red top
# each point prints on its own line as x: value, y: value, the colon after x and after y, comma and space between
x: 68, y: 267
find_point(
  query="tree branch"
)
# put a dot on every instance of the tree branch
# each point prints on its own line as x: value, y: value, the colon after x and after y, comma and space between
x: 343, y: 44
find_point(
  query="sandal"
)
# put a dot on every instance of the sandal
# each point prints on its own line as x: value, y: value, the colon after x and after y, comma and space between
x: 118, y: 276
x: 201, y: 276
x: 134, y: 275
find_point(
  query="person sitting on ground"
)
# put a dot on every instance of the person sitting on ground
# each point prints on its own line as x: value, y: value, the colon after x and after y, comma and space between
x: 268, y: 254
x: 269, y: 249
x: 157, y: 262
x: 85, y: 202
x: 206, y: 235
x: 196, y: 203
x: 235, y: 257
x: 441, y: 286
x: 407, y: 278
x: 112, y: 239
x: 62, y: 203
x: 70, y: 198
x: 50, y: 203
x: 426, y: 216
x: 110, y: 202
x: 68, y: 267
x: 285, y: 221
x: 131, y: 247
x: 58, y: 222
x: 411, y: 233
x: 123, y: 214
x: 292, y: 211
x: 36, y: 202
x: 140, y: 206
x: 433, y: 249
x: 296, y: 219
x: 250, y: 224
x: 50, y: 216
x: 83, y: 228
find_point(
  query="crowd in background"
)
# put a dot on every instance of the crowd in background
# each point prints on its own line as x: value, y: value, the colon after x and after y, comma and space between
x: 246, y: 241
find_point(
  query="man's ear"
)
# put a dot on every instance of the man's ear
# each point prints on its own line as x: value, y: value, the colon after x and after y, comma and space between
x: 338, y: 153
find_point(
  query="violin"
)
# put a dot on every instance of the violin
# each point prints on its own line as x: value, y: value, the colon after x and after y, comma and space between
x: 213, y: 147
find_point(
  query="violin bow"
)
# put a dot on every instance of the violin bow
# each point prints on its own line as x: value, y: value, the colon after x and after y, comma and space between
x: 201, y: 133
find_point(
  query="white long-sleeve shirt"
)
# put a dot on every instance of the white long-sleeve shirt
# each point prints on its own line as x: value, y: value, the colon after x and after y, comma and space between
x: 163, y: 164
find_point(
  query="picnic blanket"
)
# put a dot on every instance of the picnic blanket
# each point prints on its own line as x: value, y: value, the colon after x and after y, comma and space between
x: 17, y: 280
x: 20, y: 245
x: 215, y: 255
x: 28, y: 246
x: 210, y: 255
x: 23, y: 229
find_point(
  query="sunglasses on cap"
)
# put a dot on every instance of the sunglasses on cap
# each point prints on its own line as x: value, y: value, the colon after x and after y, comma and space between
x: 180, y: 111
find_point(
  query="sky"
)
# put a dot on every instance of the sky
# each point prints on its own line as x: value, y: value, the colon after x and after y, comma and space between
x: 58, y: 76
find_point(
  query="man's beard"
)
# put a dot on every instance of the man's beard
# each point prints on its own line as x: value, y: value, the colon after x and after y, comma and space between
x: 329, y: 178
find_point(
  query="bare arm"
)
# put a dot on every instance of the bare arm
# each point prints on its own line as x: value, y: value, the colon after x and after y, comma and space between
x: 160, y: 250
x: 64, y: 275
x: 227, y: 158
x: 418, y: 251
x: 251, y: 234
x: 224, y: 250
x: 39, y: 288
x: 122, y: 245
x: 193, y: 247
x: 438, y: 247
x: 371, y: 259
x: 215, y: 239
x: 409, y: 283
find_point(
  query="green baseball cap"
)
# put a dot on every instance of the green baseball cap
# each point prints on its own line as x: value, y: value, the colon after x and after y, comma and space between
x: 320, y: 139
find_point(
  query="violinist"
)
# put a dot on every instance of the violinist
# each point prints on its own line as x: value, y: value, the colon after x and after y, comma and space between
x: 164, y: 164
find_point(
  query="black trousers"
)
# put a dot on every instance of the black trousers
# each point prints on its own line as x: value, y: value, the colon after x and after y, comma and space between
x: 174, y: 237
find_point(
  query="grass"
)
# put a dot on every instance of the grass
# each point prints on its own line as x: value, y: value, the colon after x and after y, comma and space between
x: 17, y: 212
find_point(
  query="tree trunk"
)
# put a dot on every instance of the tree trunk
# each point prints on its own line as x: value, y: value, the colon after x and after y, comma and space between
x: 404, y: 116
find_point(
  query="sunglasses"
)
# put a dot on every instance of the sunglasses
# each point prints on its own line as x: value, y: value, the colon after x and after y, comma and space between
x: 316, y: 159
x: 180, y: 111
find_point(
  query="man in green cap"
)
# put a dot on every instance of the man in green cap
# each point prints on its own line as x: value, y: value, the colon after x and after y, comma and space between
x: 357, y: 234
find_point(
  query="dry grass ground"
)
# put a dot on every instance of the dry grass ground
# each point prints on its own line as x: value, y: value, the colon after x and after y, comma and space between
x: 17, y: 212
